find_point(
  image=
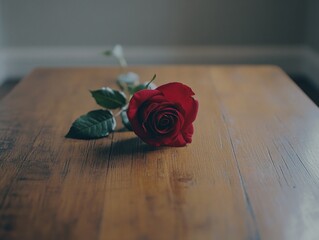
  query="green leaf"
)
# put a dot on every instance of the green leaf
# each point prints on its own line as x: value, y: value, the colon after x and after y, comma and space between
x: 134, y: 89
x: 153, y: 78
x: 109, y: 98
x: 125, y: 120
x: 93, y: 125
x: 108, y: 52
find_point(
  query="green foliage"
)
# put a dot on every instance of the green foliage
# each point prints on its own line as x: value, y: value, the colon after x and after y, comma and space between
x: 109, y: 98
x: 134, y: 89
x: 100, y: 123
x: 95, y: 124
x: 108, y: 53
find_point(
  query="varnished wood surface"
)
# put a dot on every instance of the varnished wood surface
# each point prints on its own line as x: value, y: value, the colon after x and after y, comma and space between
x: 252, y: 171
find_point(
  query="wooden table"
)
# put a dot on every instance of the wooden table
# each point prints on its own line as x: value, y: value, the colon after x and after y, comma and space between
x: 252, y: 171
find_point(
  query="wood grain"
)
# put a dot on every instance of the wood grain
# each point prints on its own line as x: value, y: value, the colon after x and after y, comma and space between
x: 251, y: 172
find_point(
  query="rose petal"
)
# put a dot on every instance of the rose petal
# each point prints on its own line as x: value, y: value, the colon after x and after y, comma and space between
x: 175, y: 90
x: 164, y: 116
x: 140, y: 97
x: 188, y: 133
x: 191, y: 110
x: 132, y: 112
x: 179, y: 141
x: 182, y: 94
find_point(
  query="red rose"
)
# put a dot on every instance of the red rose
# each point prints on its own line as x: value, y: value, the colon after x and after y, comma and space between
x: 164, y: 116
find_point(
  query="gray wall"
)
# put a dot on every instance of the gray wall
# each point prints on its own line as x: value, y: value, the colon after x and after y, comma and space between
x: 312, y: 36
x: 147, y: 22
x: 1, y: 23
x: 2, y: 72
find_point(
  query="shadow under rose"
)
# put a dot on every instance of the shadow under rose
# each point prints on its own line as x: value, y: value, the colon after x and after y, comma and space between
x: 122, y: 148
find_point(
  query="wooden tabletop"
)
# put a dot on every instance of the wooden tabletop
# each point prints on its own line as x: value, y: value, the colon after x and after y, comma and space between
x: 252, y: 171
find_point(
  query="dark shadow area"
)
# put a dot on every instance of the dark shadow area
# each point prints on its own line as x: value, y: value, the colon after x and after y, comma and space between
x: 126, y: 147
x: 307, y: 86
x: 7, y: 86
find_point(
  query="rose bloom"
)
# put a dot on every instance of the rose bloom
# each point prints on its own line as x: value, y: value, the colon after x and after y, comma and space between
x: 164, y: 116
